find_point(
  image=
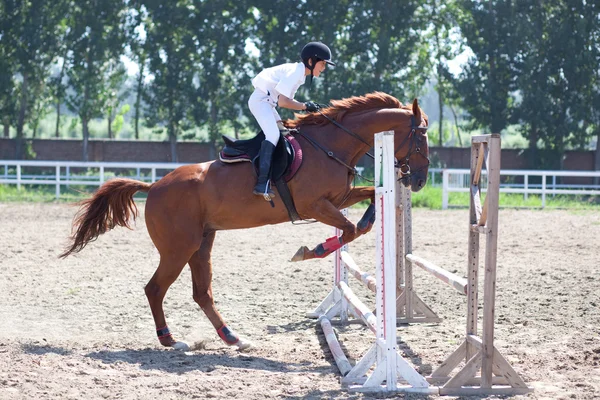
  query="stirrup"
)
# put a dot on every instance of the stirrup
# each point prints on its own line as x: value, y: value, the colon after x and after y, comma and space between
x: 267, y: 194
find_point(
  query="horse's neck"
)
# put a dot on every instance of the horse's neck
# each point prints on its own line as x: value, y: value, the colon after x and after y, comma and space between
x: 367, y: 124
x: 380, y: 120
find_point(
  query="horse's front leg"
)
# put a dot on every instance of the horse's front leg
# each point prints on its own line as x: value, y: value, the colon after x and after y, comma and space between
x: 356, y: 195
x: 324, y: 211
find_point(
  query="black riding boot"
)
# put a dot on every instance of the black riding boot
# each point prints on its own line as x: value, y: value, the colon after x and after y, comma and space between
x: 262, y: 187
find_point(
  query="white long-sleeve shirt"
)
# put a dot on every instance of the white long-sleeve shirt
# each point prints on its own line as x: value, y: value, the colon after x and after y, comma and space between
x: 282, y: 79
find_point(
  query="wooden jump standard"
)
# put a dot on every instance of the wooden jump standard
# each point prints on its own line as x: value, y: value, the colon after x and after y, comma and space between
x: 479, y: 354
x: 485, y: 371
x: 392, y: 372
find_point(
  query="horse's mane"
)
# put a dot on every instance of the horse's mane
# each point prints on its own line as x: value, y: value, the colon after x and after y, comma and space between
x: 339, y: 108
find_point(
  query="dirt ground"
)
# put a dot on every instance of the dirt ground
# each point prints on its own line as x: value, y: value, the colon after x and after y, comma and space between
x: 81, y: 328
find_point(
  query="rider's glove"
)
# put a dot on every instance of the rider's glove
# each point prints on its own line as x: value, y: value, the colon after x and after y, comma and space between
x: 311, y: 106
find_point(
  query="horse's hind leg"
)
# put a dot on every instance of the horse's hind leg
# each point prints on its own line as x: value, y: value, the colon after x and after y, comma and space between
x: 201, y: 267
x: 169, y: 268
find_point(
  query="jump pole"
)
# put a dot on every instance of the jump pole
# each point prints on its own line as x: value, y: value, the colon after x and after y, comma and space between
x: 392, y: 373
x: 410, y: 307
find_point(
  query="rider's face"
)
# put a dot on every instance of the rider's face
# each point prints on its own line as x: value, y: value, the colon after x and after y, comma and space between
x: 319, y: 67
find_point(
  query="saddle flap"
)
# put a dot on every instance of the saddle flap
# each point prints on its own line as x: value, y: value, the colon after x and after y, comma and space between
x: 248, y: 150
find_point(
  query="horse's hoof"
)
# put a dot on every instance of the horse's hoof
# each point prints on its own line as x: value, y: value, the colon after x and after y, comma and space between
x: 182, y: 346
x: 300, y: 254
x: 243, y: 344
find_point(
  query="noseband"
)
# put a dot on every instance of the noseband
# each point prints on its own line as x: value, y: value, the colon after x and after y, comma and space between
x: 415, y: 138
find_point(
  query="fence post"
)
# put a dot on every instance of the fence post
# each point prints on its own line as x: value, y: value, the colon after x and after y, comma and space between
x: 57, y: 182
x: 526, y: 186
x: 445, y: 187
x: 18, y: 176
x: 101, y: 175
x: 543, y: 190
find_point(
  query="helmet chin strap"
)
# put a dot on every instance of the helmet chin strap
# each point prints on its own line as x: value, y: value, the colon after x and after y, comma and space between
x: 311, y: 67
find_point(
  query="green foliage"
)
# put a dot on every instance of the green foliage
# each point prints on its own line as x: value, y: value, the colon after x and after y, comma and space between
x: 119, y: 120
x: 533, y: 74
x: 96, y: 44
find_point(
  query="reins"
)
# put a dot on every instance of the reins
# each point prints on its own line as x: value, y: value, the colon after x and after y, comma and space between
x: 402, y: 164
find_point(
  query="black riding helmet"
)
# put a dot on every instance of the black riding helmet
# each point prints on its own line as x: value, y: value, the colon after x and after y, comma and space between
x: 315, y: 51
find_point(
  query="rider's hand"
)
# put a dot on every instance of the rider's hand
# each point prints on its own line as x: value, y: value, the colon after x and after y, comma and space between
x: 311, y: 106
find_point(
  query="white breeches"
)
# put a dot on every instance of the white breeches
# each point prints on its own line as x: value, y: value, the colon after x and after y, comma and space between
x: 262, y: 107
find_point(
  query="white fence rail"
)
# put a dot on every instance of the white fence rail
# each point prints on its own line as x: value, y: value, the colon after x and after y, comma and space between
x: 520, y: 181
x: 11, y: 172
x: 65, y: 173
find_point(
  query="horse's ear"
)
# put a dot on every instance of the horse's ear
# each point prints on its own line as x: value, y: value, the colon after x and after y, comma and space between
x: 416, y: 111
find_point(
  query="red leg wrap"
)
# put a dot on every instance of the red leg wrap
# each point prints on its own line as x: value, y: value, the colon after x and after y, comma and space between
x: 227, y: 335
x: 330, y: 245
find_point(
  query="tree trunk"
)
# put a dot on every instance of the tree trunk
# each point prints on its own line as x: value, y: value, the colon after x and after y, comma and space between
x: 441, y: 111
x: 533, y: 139
x: 138, y: 100
x: 213, y: 131
x: 21, y: 117
x: 173, y: 141
x: 457, y: 127
x: 86, y: 135
x: 110, y: 120
x: 59, y: 97
x: 57, y: 130
x: 6, y: 124
x: 440, y: 78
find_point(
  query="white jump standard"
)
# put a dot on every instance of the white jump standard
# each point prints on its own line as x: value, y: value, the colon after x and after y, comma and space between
x: 392, y: 372
x: 483, y: 370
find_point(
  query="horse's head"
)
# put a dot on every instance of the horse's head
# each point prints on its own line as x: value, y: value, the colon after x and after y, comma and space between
x: 412, y: 150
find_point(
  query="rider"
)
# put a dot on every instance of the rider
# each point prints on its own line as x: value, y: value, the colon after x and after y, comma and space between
x: 277, y: 86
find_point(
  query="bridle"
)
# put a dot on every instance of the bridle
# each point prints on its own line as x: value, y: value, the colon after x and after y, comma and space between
x: 416, y: 138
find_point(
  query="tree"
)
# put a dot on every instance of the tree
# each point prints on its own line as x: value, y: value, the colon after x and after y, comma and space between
x: 57, y: 84
x: 489, y: 78
x: 379, y: 50
x: 224, y: 82
x: 172, y: 44
x: 558, y: 78
x: 444, y: 44
x: 58, y: 91
x: 7, y: 82
x: 136, y: 21
x: 95, y: 38
x: 30, y: 40
x: 115, y: 93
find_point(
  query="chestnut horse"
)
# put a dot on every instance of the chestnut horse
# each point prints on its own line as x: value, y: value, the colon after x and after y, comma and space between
x: 186, y: 208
